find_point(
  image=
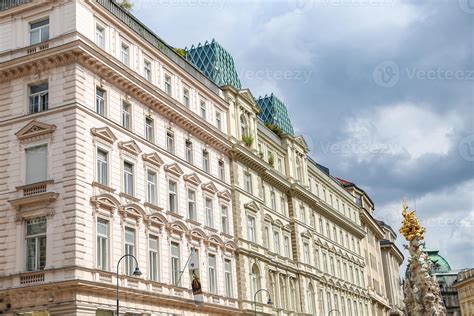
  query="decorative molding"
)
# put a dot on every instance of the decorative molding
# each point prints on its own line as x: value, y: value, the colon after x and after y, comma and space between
x: 44, y: 198
x: 130, y: 147
x: 252, y: 206
x: 34, y: 131
x: 104, y: 133
x: 153, y: 158
x: 209, y: 187
x: 174, y: 169
x: 193, y: 179
x: 225, y: 195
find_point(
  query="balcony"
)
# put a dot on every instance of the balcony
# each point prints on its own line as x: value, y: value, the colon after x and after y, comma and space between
x: 35, y: 193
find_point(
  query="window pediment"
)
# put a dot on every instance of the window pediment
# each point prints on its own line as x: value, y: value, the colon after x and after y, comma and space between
x: 174, y: 169
x: 130, y: 147
x: 34, y: 131
x: 252, y: 206
x: 307, y: 234
x: 153, y: 158
x: 209, y: 187
x: 225, y: 195
x: 104, y: 133
x: 192, y: 178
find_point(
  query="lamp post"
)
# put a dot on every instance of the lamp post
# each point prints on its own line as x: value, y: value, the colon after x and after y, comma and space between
x: 136, y: 272
x: 269, y: 302
x: 334, y: 310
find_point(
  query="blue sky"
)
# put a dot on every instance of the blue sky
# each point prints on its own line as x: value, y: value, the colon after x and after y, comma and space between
x: 382, y: 91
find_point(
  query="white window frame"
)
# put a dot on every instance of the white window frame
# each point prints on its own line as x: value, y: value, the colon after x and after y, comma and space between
x: 46, y: 171
x: 209, y: 211
x: 102, y: 241
x: 206, y: 164
x: 149, y: 129
x: 41, y: 29
x: 170, y: 141
x: 212, y: 273
x: 251, y: 228
x: 38, y: 263
x: 128, y: 178
x: 174, y: 194
x: 152, y: 187
x: 147, y: 69
x: 168, y: 84
x: 102, y: 166
x: 188, y: 151
x: 126, y: 115
x: 192, y: 209
x: 154, y: 258
x: 125, y: 53
x: 42, y: 97
x: 100, y: 35
x: 129, y: 262
x: 101, y: 101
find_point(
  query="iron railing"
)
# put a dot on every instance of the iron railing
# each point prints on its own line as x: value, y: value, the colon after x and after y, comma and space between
x: 9, y: 4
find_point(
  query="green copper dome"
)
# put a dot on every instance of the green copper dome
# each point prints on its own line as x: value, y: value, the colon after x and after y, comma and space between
x: 440, y: 265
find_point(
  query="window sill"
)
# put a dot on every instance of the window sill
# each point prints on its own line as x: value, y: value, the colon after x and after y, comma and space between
x: 196, y: 223
x: 210, y: 229
x: 41, y: 198
x: 129, y: 197
x: 103, y: 187
x: 174, y: 214
x: 153, y: 206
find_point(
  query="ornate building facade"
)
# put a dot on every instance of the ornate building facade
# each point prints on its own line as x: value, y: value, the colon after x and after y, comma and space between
x: 113, y: 144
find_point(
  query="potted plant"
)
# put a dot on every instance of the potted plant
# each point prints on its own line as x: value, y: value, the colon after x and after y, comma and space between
x: 248, y: 140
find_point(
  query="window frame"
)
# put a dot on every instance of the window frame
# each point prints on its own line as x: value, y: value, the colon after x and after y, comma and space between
x: 39, y: 237
x: 43, y: 97
x: 149, y: 129
x: 39, y: 29
x: 131, y: 180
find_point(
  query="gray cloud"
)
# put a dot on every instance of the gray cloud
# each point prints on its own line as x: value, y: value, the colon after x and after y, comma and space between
x: 405, y: 137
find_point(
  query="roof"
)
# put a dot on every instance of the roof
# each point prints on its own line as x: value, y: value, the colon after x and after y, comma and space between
x: 215, y: 62
x: 347, y: 184
x: 440, y: 264
x: 274, y: 111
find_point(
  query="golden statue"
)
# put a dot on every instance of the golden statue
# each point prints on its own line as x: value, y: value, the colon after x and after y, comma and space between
x: 411, y: 227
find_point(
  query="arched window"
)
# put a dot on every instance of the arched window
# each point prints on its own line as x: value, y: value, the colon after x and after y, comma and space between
x: 283, y: 293
x: 243, y: 126
x: 311, y: 305
x: 292, y: 295
x: 255, y: 283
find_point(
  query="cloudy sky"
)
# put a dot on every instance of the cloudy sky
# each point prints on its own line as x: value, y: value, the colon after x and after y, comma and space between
x: 382, y: 91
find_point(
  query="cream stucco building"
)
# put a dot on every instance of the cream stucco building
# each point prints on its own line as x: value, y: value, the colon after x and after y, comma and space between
x: 114, y: 144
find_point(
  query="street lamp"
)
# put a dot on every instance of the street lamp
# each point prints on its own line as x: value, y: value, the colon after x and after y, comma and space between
x: 334, y: 310
x: 269, y: 302
x: 136, y: 272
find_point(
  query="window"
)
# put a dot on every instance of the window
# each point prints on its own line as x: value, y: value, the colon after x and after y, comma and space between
x: 321, y: 230
x: 243, y: 126
x: 39, y: 31
x: 151, y: 187
x: 334, y: 233
x: 189, y: 151
x: 283, y: 205
x: 205, y: 160
x: 331, y: 264
x: 170, y: 141
x: 321, y: 303
x: 147, y: 69
x: 316, y: 259
x: 221, y: 170
x: 102, y: 244
x: 102, y: 167
x: 311, y: 303
x: 192, y: 205
x: 125, y: 54
x: 126, y: 115
x: 38, y: 97
x: 203, y: 109
x: 279, y: 164
x: 175, y: 263
x: 255, y: 283
x: 153, y: 255
x: 302, y: 214
x: 209, y: 213
x: 128, y: 178
x: 328, y: 230
x: 218, y: 121
x: 251, y: 228
x: 287, y: 247
x: 266, y: 241
x: 306, y: 253
x: 186, y: 101
x: 325, y: 263
x: 168, y: 84
x: 225, y: 219
x: 36, y: 163
x: 100, y: 36
x: 100, y: 101
x: 248, y: 182
x: 339, y: 275
x: 35, y: 244
x: 212, y: 274
x: 129, y: 250
x: 173, y: 198
x: 149, y: 129
x: 272, y: 200
x: 313, y: 219
x: 276, y: 242
x: 228, y: 277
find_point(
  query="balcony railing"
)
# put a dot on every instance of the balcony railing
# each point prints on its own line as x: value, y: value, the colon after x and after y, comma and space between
x: 9, y: 4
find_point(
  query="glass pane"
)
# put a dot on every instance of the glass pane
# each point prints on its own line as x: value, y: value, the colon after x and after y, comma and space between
x: 130, y: 235
x: 36, y: 226
x: 36, y: 164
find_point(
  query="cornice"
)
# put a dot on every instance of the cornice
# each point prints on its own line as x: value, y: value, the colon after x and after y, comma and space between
x: 100, y: 63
